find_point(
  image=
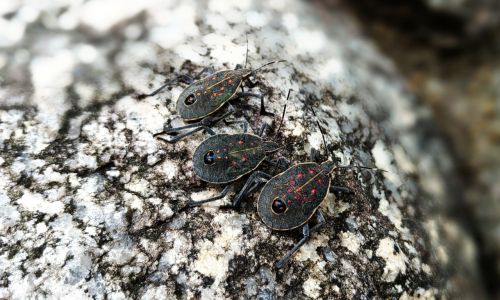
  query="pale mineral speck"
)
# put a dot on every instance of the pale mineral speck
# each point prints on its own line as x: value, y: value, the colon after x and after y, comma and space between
x: 174, y: 25
x: 351, y: 241
x: 383, y: 160
x: 312, y: 288
x: 102, y: 16
x: 37, y: 202
x: 11, y: 32
x: 256, y: 19
x: 290, y: 21
x: 309, y: 252
x: 86, y: 53
x: 214, y: 257
x: 395, y: 260
x: 8, y: 214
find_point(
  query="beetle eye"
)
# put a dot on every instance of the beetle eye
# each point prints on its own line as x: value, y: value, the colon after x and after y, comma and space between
x: 190, y: 99
x: 278, y: 206
x: 209, y: 158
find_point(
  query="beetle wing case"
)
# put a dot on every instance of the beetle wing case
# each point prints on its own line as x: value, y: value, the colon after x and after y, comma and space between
x: 301, y: 189
x: 224, y: 158
x: 205, y: 96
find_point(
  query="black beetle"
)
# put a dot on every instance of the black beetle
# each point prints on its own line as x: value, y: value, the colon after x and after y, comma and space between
x: 289, y: 199
x: 225, y: 158
x: 203, y: 97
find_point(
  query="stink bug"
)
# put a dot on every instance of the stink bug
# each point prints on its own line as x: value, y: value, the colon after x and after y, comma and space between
x: 205, y: 96
x: 289, y: 200
x: 225, y: 158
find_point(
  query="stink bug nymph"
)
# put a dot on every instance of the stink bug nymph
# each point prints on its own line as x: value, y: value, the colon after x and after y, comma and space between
x: 225, y: 158
x: 206, y: 96
x: 290, y: 199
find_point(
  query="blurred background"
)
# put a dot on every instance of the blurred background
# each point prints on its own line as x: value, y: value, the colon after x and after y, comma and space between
x: 446, y: 51
x: 449, y: 54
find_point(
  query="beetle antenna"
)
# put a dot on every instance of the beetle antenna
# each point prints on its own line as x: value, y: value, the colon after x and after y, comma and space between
x: 246, y: 56
x: 283, y: 114
x: 320, y: 128
x: 360, y: 167
x: 267, y: 64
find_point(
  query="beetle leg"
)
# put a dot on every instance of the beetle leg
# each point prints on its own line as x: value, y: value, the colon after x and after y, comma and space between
x: 182, y: 77
x: 340, y: 189
x: 320, y: 221
x: 255, y: 178
x: 263, y: 111
x: 208, y: 70
x: 314, y: 155
x: 251, y: 84
x: 244, y: 124
x: 181, y: 136
x: 168, y: 83
x: 279, y: 163
x: 306, y: 232
x: 215, y: 198
x: 262, y: 129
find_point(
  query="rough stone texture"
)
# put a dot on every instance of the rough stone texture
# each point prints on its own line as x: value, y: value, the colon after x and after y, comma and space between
x: 460, y: 82
x: 90, y: 200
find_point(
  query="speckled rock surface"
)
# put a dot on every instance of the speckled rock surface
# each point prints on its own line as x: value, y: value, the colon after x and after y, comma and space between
x: 90, y: 200
x: 462, y: 92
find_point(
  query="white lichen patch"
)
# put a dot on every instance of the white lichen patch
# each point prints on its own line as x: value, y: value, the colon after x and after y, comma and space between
x: 309, y: 250
x: 8, y: 214
x: 37, y: 202
x: 8, y: 122
x: 175, y: 255
x: 395, y: 259
x: 351, y: 241
x: 420, y: 293
x: 312, y: 288
x: 213, y: 257
x: 383, y: 160
x: 102, y: 15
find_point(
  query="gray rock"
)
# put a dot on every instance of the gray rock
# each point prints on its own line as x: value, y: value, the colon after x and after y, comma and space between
x: 90, y: 201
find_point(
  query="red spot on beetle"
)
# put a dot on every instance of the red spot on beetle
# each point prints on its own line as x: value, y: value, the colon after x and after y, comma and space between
x: 313, y: 192
x: 241, y: 142
x: 289, y: 201
x: 311, y: 171
x: 300, y: 175
x: 244, y: 158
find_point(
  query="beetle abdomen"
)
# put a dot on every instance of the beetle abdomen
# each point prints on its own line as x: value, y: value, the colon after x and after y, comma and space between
x: 205, y: 96
x: 226, y: 157
x: 289, y: 199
